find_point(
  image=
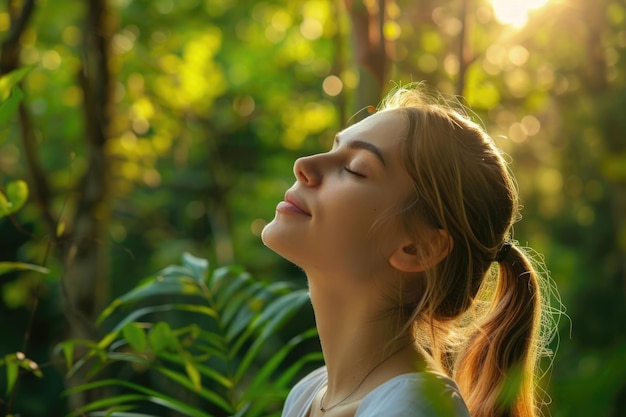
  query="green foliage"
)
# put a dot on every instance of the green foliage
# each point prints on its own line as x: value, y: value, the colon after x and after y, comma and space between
x: 6, y: 267
x: 10, y: 94
x: 13, y: 363
x: 215, y: 335
x: 15, y: 198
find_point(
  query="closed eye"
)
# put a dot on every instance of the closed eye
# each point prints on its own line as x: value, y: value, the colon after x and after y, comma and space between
x: 354, y: 172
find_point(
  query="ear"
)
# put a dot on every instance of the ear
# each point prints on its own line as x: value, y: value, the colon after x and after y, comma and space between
x: 407, y: 257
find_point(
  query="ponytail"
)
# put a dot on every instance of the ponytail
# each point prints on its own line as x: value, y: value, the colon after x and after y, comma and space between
x: 487, y: 335
x: 496, y: 370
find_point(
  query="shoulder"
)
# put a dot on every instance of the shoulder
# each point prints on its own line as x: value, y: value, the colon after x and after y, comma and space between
x: 422, y: 394
x: 301, y: 395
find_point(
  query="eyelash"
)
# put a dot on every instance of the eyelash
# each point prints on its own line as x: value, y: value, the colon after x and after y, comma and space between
x: 354, y: 172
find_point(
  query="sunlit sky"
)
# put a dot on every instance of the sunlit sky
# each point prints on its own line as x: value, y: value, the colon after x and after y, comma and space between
x: 515, y: 12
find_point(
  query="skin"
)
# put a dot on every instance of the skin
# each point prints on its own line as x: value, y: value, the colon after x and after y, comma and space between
x: 337, y: 223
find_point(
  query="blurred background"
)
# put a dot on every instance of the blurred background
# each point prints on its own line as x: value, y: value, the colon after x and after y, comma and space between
x: 154, y: 127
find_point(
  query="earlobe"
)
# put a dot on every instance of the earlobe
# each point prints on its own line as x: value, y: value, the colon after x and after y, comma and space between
x: 407, y: 257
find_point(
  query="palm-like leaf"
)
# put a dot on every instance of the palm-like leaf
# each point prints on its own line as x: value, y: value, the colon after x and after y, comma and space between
x: 223, y: 362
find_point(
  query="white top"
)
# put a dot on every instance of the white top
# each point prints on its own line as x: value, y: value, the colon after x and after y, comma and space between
x: 422, y: 394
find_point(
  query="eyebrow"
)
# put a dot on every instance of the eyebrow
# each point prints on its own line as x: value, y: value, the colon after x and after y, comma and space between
x: 359, y: 144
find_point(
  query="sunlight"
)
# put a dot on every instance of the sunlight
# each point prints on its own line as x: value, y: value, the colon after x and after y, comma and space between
x: 515, y: 12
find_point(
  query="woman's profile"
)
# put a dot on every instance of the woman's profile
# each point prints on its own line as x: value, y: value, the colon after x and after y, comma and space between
x: 424, y: 304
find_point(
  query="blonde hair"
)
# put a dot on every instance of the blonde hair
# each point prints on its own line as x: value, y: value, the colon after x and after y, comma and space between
x: 478, y: 320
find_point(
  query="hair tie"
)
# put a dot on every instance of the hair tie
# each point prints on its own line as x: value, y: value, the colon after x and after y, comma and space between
x: 503, y: 252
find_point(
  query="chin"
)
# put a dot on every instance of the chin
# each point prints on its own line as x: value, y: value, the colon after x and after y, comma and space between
x: 280, y: 241
x: 271, y: 237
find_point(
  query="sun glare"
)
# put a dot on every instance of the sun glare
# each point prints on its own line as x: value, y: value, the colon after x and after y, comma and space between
x: 515, y: 12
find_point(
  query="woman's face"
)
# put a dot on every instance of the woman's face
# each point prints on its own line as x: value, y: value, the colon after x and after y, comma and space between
x: 339, y: 214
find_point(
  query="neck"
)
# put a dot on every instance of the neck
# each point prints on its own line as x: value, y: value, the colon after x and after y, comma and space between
x: 358, y: 340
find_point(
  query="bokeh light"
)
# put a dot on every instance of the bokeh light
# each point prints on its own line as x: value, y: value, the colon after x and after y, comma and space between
x: 515, y: 12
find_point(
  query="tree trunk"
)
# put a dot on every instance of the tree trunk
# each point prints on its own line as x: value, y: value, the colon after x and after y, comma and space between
x: 86, y: 280
x: 368, y: 41
x: 82, y: 246
x: 464, y: 46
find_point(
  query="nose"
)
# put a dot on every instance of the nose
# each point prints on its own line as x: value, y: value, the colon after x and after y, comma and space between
x: 306, y: 171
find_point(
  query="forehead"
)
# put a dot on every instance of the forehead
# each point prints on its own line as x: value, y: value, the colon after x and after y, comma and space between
x: 385, y: 129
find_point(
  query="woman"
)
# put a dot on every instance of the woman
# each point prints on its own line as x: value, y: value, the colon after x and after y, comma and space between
x: 398, y: 229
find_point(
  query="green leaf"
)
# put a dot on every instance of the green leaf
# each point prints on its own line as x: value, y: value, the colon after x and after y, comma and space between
x: 5, y: 206
x: 222, y: 277
x: 12, y: 371
x: 162, y: 308
x: 129, y: 357
x: 150, y: 395
x: 191, y: 369
x: 115, y: 413
x: 8, y: 81
x: 17, y: 194
x: 162, y: 338
x: 9, y: 106
x: 6, y: 267
x: 197, y: 266
x: 106, y: 402
x: 262, y: 377
x: 10, y: 94
x: 287, y: 376
x: 68, y: 353
x: 107, y: 340
x: 170, y: 281
x: 281, y: 310
x: 184, y: 381
x: 274, y: 316
x: 207, y: 371
x: 136, y: 336
x: 15, y: 198
x: 238, y: 313
x: 108, y: 311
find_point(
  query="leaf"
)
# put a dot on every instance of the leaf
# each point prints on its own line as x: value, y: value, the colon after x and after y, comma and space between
x: 238, y: 313
x: 136, y: 336
x: 5, y: 206
x: 229, y: 287
x: 134, y: 315
x: 6, y: 267
x: 60, y: 228
x: 198, y: 266
x: 171, y: 280
x: 32, y: 367
x: 207, y: 394
x: 162, y: 338
x: 68, y: 353
x: 276, y: 314
x: 129, y: 357
x: 148, y: 289
x: 207, y: 371
x: 9, y: 107
x: 8, y: 81
x: 191, y: 369
x: 15, y: 198
x: 12, y: 371
x: 115, y: 413
x: 106, y: 402
x: 290, y: 373
x: 222, y: 275
x: 263, y: 376
x: 17, y: 193
x: 107, y: 340
x: 150, y: 395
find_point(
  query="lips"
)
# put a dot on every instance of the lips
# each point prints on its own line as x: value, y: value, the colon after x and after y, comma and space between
x: 292, y: 205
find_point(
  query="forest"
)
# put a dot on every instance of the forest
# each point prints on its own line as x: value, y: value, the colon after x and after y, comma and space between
x: 144, y: 145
